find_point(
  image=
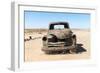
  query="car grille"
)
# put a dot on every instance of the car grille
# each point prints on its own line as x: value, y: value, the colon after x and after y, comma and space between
x: 64, y: 42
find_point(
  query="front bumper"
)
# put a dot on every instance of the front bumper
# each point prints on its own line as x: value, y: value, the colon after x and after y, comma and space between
x: 45, y: 48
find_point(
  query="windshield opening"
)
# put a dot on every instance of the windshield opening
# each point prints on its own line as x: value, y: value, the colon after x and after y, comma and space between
x: 58, y: 26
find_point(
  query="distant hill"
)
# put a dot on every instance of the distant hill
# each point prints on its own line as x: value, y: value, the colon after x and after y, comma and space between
x: 35, y: 30
x: 45, y: 30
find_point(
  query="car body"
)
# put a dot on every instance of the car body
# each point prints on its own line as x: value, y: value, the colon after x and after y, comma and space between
x: 59, y: 38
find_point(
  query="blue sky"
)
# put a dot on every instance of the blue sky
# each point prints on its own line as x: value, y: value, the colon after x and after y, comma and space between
x: 35, y: 19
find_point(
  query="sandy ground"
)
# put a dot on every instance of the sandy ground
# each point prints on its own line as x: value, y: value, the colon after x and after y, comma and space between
x: 33, y: 48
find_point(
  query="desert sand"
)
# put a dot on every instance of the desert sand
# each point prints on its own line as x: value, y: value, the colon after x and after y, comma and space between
x: 33, y: 47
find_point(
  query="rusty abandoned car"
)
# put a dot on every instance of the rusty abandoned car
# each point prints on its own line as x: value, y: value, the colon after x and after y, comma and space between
x: 59, y: 39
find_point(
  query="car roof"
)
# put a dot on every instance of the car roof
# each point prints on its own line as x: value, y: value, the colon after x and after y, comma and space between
x: 59, y: 23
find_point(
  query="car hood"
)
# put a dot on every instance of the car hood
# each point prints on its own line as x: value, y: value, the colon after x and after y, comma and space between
x: 61, y: 34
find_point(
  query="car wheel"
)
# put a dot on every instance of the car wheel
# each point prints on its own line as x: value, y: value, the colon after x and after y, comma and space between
x: 72, y: 51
